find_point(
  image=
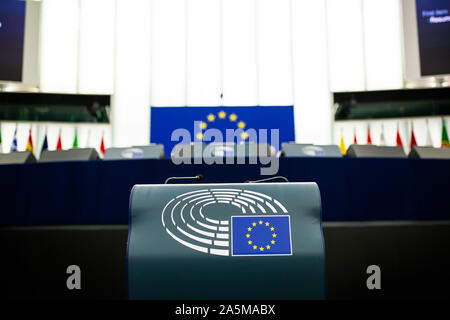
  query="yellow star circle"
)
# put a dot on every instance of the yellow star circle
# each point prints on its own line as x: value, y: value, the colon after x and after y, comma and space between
x: 233, y: 117
x: 264, y: 224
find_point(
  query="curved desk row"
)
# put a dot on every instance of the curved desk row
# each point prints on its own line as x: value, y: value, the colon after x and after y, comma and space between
x: 97, y: 192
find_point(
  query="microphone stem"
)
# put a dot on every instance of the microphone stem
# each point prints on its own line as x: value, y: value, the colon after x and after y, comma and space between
x: 270, y: 179
x: 182, y: 178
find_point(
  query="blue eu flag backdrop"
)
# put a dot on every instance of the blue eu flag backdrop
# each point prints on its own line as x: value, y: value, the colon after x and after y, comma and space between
x: 261, y: 235
x: 164, y: 120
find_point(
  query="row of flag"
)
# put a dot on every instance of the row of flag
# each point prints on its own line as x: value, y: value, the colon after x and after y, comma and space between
x: 445, y: 143
x: 30, y: 146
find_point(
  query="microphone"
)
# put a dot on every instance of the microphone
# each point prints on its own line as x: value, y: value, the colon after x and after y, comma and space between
x: 197, y: 177
x: 268, y: 179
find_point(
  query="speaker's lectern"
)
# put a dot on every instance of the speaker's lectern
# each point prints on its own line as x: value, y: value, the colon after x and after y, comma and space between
x: 226, y: 241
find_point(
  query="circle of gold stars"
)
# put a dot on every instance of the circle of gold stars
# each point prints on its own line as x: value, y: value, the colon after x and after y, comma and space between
x: 222, y: 115
x: 256, y: 247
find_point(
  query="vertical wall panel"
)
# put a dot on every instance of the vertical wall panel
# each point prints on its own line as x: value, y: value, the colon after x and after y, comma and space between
x: 274, y: 52
x: 312, y: 105
x: 383, y: 39
x: 59, y: 45
x: 131, y: 102
x: 96, y: 69
x: 204, y: 52
x: 345, y: 45
x: 239, y: 53
x: 168, y: 55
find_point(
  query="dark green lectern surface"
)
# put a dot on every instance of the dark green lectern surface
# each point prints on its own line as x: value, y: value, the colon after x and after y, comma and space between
x: 226, y: 241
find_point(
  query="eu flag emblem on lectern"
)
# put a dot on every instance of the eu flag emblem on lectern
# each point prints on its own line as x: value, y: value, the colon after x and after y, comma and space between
x: 261, y: 235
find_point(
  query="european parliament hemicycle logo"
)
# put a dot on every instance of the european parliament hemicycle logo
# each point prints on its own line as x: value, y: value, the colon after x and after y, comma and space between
x: 229, y: 222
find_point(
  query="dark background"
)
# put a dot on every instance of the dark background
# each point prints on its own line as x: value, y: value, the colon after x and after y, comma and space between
x: 12, y: 19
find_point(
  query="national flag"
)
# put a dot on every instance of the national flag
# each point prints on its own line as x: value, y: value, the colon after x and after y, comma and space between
x: 369, y: 137
x: 429, y: 142
x: 342, y: 145
x: 59, y: 143
x: 382, y: 139
x: 75, y: 140
x: 14, y: 141
x: 102, y: 146
x: 30, y: 143
x: 355, y: 141
x: 413, y: 138
x: 445, y: 143
x: 45, y: 143
x: 261, y: 235
x: 399, y: 139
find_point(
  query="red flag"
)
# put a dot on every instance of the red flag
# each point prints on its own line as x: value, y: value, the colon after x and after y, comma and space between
x: 30, y: 143
x: 355, y: 141
x: 102, y: 146
x: 369, y: 138
x: 399, y: 139
x: 413, y: 138
x: 59, y: 144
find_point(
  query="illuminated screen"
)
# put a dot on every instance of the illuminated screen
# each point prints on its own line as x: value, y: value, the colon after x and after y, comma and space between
x: 12, y: 26
x: 433, y: 22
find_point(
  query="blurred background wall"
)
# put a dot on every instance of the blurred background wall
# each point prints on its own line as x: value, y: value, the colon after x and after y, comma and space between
x: 220, y: 52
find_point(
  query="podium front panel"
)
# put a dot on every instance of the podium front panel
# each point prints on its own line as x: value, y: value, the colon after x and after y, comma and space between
x: 226, y: 241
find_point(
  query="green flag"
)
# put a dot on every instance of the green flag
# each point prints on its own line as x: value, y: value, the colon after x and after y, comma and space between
x: 75, y: 140
x: 445, y: 142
